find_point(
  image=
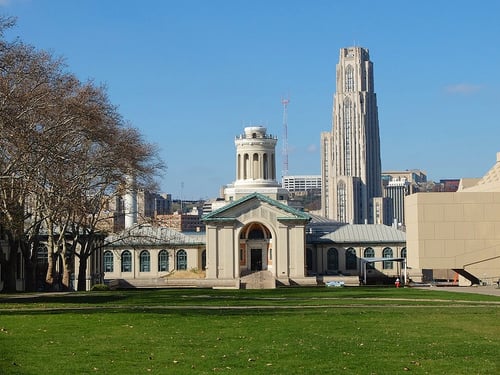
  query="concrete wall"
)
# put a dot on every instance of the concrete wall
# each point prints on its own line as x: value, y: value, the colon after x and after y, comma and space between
x: 454, y: 231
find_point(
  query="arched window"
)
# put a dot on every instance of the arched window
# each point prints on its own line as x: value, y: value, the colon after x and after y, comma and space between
x: 266, y: 167
x: 256, y: 234
x: 245, y: 166
x: 42, y: 255
x: 255, y: 167
x: 108, y: 261
x: 387, y: 253
x: 181, y: 260
x: 239, y: 167
x: 126, y: 261
x: 204, y: 260
x: 144, y: 261
x: 369, y: 253
x: 332, y: 259
x: 341, y: 202
x: 163, y: 261
x: 403, y: 252
x: 349, y: 79
x: 350, y: 259
x: 347, y: 137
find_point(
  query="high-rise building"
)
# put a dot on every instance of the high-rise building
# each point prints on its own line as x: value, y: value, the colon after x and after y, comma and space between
x: 350, y: 157
x: 397, y: 190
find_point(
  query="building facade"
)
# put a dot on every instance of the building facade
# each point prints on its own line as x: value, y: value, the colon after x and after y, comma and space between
x: 301, y: 183
x: 397, y: 190
x: 457, y: 230
x: 350, y: 153
x: 253, y: 239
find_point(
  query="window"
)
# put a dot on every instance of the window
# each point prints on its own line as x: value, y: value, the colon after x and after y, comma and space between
x: 181, y: 260
x: 403, y: 252
x: 163, y: 261
x: 349, y: 79
x: 332, y: 259
x: 369, y: 253
x: 126, y: 261
x: 341, y: 202
x: 387, y: 253
x: 144, y: 261
x: 350, y: 259
x: 347, y: 137
x: 108, y: 261
x: 42, y: 255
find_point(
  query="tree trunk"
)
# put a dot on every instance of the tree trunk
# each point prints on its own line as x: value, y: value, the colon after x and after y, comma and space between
x: 9, y: 269
x: 66, y: 273
x: 49, y: 278
x: 29, y: 276
x: 9, y: 280
x: 82, y: 273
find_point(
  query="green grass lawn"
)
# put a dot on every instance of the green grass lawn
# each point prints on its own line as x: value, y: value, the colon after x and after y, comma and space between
x: 282, y: 331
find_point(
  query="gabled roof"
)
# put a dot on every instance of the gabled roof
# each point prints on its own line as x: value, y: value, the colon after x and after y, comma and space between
x: 372, y: 233
x: 146, y: 234
x: 226, y: 212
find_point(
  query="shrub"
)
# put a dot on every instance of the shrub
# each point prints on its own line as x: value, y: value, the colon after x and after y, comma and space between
x: 99, y: 287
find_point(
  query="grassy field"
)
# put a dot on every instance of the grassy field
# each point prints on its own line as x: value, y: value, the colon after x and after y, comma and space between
x: 282, y: 331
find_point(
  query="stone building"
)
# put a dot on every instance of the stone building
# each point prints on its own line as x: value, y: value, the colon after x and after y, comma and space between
x: 350, y: 153
x: 254, y: 240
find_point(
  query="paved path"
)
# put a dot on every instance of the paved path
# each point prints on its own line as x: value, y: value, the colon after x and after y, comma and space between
x: 491, y: 290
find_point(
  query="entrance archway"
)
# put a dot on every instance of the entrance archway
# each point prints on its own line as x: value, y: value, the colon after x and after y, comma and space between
x: 255, y: 248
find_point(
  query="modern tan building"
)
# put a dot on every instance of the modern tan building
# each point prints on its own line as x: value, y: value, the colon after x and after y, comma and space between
x: 458, y: 230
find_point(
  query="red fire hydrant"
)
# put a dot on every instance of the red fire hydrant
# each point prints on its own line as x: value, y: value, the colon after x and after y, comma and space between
x: 397, y: 283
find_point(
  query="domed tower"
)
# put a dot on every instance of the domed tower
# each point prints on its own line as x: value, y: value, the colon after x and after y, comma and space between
x: 255, y: 166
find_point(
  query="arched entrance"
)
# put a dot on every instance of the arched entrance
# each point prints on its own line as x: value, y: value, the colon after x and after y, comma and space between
x: 255, y: 248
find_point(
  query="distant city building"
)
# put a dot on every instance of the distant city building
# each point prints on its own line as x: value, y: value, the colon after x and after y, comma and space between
x: 182, y: 222
x: 415, y: 177
x: 301, y: 183
x: 449, y: 185
x: 150, y: 204
x: 382, y: 211
x: 213, y: 204
x: 397, y: 190
x: 350, y: 153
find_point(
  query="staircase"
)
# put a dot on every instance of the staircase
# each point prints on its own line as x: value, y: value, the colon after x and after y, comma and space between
x: 258, y: 280
x: 473, y: 279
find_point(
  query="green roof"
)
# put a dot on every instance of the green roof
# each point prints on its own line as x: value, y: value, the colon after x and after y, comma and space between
x: 298, y: 214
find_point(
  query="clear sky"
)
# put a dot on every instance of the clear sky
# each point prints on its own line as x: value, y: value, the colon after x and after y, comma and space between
x: 191, y: 74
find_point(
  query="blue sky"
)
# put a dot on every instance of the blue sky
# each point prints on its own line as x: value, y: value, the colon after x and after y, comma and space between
x: 191, y: 74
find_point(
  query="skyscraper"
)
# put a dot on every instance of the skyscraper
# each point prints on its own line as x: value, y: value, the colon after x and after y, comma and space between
x: 350, y: 157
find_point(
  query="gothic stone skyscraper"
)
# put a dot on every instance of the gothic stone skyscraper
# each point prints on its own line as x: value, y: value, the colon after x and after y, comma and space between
x: 350, y: 158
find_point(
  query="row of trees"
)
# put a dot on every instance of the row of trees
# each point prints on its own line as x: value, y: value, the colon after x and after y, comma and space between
x: 65, y: 152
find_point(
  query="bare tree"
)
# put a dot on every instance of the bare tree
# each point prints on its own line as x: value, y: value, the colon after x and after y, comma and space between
x: 65, y: 151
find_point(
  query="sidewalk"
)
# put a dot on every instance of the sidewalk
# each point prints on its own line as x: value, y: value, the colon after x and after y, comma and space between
x: 491, y: 290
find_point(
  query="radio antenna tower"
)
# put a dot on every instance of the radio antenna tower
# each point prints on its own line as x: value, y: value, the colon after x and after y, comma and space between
x: 285, y: 102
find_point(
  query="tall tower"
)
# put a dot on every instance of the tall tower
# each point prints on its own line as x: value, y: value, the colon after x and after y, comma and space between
x: 351, y: 172
x: 285, y: 136
x: 255, y: 166
x: 130, y: 202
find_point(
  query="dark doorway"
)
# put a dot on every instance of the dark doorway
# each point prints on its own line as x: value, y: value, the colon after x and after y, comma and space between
x: 256, y: 260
